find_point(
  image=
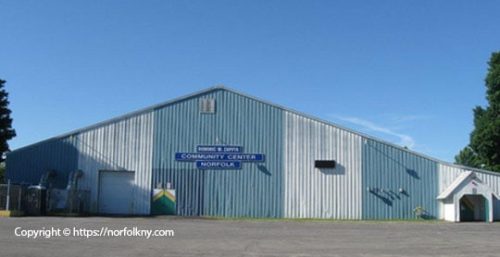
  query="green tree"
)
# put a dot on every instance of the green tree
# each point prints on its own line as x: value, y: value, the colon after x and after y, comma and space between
x: 483, y: 150
x: 6, y: 130
x: 468, y: 157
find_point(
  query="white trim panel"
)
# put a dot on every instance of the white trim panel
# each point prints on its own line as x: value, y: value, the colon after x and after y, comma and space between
x: 124, y: 145
x: 326, y: 193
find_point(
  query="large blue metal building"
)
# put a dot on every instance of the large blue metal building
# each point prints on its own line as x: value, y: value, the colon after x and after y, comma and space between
x: 232, y: 155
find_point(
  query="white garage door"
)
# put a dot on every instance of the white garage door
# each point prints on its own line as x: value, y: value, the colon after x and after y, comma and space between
x: 116, y: 190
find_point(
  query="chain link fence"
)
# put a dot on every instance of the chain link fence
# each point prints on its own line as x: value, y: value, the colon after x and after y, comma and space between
x: 11, y: 197
x: 35, y: 201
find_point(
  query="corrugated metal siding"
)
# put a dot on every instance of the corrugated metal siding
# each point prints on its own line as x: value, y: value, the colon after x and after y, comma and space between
x: 254, y: 191
x: 448, y: 174
x: 286, y: 184
x: 326, y: 193
x: 29, y: 164
x: 189, y: 194
x: 385, y: 170
x: 123, y: 145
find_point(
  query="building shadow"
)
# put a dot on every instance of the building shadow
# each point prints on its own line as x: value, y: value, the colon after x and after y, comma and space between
x: 338, y: 170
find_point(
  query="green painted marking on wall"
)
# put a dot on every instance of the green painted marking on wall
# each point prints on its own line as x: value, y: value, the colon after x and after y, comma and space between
x: 163, y: 202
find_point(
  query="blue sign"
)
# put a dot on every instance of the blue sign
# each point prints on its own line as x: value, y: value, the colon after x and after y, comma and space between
x: 219, y: 157
x: 219, y: 149
x: 218, y: 164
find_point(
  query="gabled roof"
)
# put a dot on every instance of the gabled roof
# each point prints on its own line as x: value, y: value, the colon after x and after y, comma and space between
x: 217, y: 88
x: 458, y: 181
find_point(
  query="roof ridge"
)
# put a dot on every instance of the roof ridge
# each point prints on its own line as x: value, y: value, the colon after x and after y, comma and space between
x: 225, y: 88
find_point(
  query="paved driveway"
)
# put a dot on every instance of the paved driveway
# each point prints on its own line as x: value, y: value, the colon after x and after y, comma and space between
x: 204, y: 237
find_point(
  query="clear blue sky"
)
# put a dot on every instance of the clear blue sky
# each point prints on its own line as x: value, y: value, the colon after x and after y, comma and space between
x: 408, y: 72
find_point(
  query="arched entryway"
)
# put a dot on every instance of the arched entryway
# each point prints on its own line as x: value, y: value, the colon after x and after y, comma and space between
x: 468, y: 198
x: 473, y: 208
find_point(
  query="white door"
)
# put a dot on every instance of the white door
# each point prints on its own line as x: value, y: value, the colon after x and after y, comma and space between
x: 116, y: 191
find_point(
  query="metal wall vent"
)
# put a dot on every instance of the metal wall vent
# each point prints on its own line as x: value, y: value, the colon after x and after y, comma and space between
x: 207, y: 105
x: 328, y: 164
